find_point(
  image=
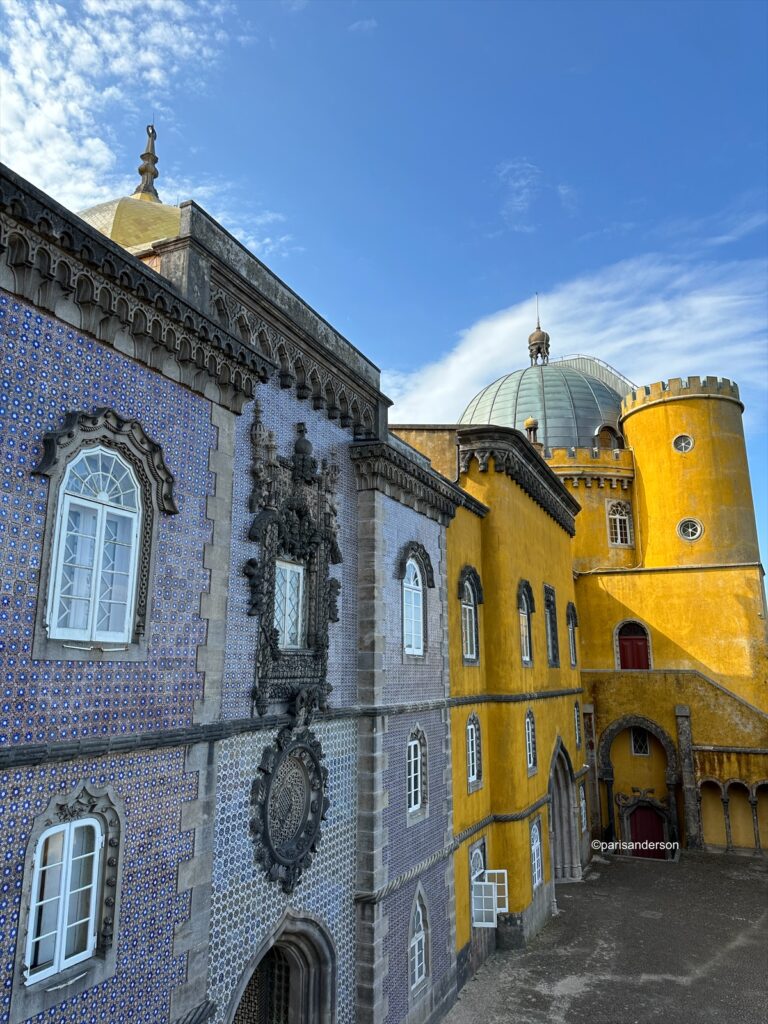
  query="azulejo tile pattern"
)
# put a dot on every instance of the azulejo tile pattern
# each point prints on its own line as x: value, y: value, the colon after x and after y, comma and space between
x: 46, y: 370
x: 152, y: 786
x: 246, y: 908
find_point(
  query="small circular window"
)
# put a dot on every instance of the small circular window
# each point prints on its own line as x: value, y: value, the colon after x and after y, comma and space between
x: 683, y: 443
x: 690, y: 529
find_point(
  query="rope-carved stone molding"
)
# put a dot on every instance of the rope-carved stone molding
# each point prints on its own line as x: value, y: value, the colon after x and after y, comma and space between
x: 295, y: 518
x: 127, y: 437
x: 413, y: 549
x: 515, y: 457
x: 60, y: 264
x: 381, y: 467
x: 323, y: 387
x: 604, y: 763
x: 469, y: 574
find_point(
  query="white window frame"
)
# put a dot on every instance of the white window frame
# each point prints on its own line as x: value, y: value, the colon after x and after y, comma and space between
x: 572, y: 649
x: 530, y: 742
x: 489, y: 891
x: 417, y: 947
x: 413, y: 610
x: 621, y: 531
x: 524, y: 614
x: 60, y: 961
x: 633, y: 729
x: 469, y: 629
x: 472, y: 751
x: 290, y: 569
x: 577, y: 723
x: 583, y: 806
x: 414, y: 768
x: 537, y: 869
x: 101, y: 509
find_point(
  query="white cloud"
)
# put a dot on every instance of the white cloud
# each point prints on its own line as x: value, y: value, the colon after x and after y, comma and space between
x: 652, y: 316
x: 523, y: 185
x: 79, y: 84
x: 365, y: 26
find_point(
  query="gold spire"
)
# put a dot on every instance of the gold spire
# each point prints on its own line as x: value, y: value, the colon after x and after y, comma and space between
x: 148, y: 171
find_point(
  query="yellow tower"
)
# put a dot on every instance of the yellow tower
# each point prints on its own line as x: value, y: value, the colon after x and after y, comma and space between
x: 693, y: 500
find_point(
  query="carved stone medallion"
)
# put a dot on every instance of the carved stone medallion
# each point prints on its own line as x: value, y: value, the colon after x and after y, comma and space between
x: 288, y: 803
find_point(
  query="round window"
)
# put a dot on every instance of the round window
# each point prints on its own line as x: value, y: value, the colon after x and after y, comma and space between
x: 690, y: 529
x: 683, y: 443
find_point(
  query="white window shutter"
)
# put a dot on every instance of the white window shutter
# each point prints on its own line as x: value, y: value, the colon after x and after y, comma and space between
x: 499, y: 879
x: 483, y: 904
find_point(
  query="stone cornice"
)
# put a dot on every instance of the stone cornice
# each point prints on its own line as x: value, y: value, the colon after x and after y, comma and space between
x: 382, y: 467
x: 57, y: 262
x: 513, y: 455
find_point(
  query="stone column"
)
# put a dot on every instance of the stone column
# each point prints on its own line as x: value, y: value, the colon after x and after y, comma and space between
x: 693, y: 835
x: 727, y: 816
x: 755, y: 824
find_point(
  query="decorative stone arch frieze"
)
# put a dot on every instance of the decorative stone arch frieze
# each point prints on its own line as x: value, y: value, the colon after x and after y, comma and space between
x: 106, y: 428
x: 309, y: 947
x: 604, y: 764
x: 735, y: 782
x: 413, y: 549
x: 712, y: 781
x: 294, y: 501
x: 84, y: 801
x: 756, y: 786
x: 60, y: 264
x: 471, y: 576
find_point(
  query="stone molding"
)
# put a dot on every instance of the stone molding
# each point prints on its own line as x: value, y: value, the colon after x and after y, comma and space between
x: 513, y: 455
x: 60, y: 264
x: 469, y: 574
x: 381, y: 467
x: 416, y: 551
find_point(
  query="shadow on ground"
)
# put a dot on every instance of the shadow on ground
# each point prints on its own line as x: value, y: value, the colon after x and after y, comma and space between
x: 639, y: 942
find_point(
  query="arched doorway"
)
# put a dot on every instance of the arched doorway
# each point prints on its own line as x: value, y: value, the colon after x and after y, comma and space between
x: 291, y: 980
x: 564, y: 833
x: 634, y: 646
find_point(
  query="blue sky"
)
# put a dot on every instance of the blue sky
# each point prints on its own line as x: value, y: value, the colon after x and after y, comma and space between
x: 418, y: 170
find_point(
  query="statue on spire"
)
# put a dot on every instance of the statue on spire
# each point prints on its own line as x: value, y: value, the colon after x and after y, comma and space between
x: 148, y: 170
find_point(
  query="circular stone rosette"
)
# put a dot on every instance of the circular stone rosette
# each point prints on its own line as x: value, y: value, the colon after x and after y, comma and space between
x: 289, y: 802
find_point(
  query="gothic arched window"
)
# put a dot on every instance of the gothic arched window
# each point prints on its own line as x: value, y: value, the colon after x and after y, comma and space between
x: 525, y: 608
x: 474, y: 751
x: 416, y: 772
x: 418, y: 946
x: 530, y: 742
x: 413, y: 609
x: 620, y: 529
x: 537, y: 874
x: 572, y: 621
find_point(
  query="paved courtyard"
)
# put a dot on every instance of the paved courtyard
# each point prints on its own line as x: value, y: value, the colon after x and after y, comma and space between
x: 639, y: 942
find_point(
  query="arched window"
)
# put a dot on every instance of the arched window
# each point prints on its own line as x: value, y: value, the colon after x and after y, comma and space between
x: 577, y: 723
x: 583, y: 806
x: 474, y: 752
x: 550, y: 620
x: 620, y: 530
x: 416, y: 772
x: 418, y: 965
x: 95, y: 550
x: 633, y: 644
x: 413, y: 609
x: 477, y: 863
x: 530, y: 741
x: 572, y: 621
x: 537, y: 875
x: 468, y: 623
x: 525, y: 607
x: 289, y: 605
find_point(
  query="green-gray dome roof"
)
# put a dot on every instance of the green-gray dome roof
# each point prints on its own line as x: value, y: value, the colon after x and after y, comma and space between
x: 569, y: 405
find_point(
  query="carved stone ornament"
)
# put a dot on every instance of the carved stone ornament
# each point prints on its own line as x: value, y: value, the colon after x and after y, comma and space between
x: 127, y: 437
x: 295, y: 518
x: 289, y: 803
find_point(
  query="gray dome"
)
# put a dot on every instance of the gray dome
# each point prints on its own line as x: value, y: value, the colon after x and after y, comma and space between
x: 570, y: 406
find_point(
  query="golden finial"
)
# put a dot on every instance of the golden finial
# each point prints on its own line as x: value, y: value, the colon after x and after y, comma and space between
x: 148, y: 170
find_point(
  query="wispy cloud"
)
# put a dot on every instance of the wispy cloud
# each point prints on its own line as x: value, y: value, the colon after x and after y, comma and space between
x: 67, y: 77
x: 363, y: 27
x: 294, y: 6
x: 651, y: 316
x: 741, y: 218
x: 523, y: 185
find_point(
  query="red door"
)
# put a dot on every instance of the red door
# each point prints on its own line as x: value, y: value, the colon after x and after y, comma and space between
x: 633, y: 646
x: 645, y: 823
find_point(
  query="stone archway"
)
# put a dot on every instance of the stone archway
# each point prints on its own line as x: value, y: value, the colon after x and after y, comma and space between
x: 290, y: 980
x: 605, y: 769
x: 563, y: 818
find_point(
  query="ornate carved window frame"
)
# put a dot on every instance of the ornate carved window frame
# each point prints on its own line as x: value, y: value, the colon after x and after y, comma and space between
x: 29, y: 1000
x: 526, y: 606
x: 418, y: 990
x: 469, y: 577
x: 572, y: 622
x: 103, y: 428
x: 550, y: 623
x: 416, y: 552
x: 473, y: 723
x: 418, y: 735
x: 294, y: 501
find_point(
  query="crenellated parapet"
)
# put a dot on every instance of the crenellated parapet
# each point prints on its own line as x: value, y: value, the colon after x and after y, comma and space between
x: 593, y: 467
x: 679, y: 388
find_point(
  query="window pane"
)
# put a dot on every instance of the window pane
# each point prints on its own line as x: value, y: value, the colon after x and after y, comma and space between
x: 115, y: 578
x: 43, y: 953
x: 281, y: 587
x: 53, y: 849
x: 77, y: 563
x: 79, y: 908
x: 46, y: 917
x: 293, y: 609
x: 81, y: 872
x: 77, y: 938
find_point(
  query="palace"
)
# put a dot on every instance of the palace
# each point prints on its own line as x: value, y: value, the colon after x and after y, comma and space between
x: 304, y: 712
